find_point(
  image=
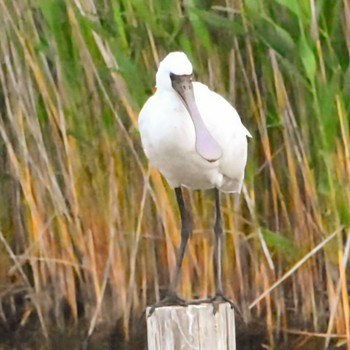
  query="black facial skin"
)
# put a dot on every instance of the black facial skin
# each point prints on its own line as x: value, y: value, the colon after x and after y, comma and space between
x: 176, y: 77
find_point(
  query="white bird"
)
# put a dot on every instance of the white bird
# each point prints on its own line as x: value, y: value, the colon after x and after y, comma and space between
x: 197, y: 140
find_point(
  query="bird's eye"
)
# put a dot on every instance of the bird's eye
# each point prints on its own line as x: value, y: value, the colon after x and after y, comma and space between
x: 172, y: 76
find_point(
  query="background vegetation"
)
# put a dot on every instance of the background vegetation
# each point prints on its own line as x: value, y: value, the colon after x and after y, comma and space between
x: 89, y: 234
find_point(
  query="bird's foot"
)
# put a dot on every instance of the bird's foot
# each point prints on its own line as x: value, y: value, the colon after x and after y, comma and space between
x: 170, y: 299
x: 218, y: 299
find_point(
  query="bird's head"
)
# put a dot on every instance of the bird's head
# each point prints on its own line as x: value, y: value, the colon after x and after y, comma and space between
x: 175, y: 64
x: 175, y: 73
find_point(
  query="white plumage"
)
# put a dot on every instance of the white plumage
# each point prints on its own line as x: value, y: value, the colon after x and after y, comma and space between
x: 172, y: 143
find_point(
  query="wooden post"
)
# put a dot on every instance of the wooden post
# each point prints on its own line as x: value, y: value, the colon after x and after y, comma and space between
x: 191, y: 327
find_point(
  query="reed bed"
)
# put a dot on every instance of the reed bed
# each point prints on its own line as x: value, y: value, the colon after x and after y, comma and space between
x: 89, y: 233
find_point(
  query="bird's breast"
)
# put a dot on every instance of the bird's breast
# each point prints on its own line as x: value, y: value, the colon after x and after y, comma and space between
x: 166, y: 129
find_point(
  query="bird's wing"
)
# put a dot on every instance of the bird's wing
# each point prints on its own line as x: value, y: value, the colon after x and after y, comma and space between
x: 210, y: 102
x: 226, y: 127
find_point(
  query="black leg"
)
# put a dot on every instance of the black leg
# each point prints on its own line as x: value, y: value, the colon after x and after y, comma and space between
x: 171, y: 297
x: 218, y: 244
x: 218, y: 231
x: 186, y: 228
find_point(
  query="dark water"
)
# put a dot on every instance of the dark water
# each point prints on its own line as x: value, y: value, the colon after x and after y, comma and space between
x: 249, y: 337
x: 20, y: 330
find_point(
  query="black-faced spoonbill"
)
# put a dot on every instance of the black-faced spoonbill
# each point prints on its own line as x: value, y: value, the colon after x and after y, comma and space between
x: 197, y: 140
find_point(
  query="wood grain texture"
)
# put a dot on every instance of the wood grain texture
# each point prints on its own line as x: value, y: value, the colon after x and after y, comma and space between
x: 191, y: 327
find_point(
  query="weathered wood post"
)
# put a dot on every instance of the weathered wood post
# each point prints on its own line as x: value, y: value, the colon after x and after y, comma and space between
x: 192, y: 327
